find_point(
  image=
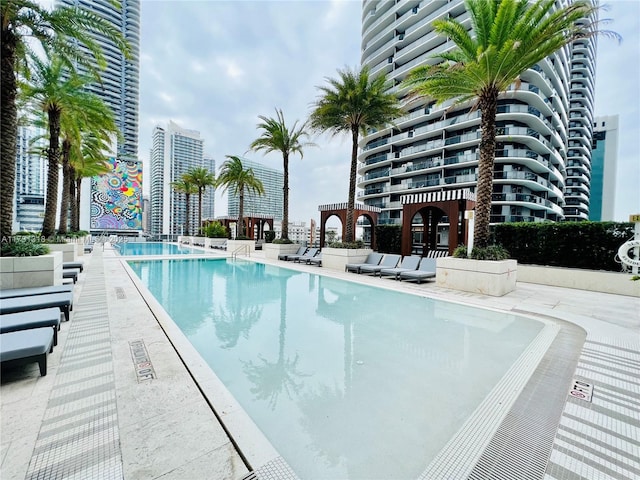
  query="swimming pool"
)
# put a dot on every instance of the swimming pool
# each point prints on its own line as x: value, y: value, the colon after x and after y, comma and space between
x: 153, y: 248
x: 345, y: 380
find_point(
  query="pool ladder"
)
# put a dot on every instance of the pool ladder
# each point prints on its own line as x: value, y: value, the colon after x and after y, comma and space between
x: 242, y: 249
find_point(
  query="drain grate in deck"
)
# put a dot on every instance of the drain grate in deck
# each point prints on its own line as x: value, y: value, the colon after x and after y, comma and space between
x: 120, y: 295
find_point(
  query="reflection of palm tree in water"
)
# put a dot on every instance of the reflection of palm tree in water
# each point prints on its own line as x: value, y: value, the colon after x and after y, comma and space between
x: 235, y: 322
x: 270, y: 379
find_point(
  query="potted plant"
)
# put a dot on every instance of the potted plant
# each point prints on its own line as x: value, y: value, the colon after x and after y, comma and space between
x: 26, y: 262
x: 279, y: 246
x: 338, y: 254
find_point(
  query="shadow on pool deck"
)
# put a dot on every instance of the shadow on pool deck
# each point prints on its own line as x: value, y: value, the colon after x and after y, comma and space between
x: 93, y: 416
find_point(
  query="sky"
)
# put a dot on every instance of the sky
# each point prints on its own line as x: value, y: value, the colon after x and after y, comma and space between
x: 214, y: 66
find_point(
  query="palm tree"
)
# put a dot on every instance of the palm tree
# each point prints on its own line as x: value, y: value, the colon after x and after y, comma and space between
x: 276, y: 136
x: 233, y: 175
x: 186, y: 186
x: 57, y: 92
x: 353, y: 103
x: 509, y: 36
x: 64, y: 30
x: 201, y: 178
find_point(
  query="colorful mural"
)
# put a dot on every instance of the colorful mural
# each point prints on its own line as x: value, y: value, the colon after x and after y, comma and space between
x: 116, y: 197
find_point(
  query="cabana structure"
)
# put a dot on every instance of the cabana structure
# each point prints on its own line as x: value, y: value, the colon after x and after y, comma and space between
x: 432, y: 207
x: 340, y: 211
x: 255, y: 224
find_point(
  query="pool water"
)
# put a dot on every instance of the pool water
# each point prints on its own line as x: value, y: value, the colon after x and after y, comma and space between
x: 153, y: 248
x: 346, y: 381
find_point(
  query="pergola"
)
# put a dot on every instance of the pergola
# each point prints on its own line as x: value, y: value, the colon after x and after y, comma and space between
x: 255, y: 224
x: 340, y: 211
x: 432, y: 206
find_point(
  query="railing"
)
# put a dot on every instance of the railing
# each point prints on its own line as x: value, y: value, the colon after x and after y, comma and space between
x: 239, y: 251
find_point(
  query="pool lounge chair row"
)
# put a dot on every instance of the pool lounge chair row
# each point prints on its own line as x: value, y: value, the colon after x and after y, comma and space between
x: 310, y: 256
x: 30, y: 321
x: 411, y: 267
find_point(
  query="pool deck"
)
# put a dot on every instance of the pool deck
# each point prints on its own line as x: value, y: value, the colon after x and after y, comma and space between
x: 118, y: 401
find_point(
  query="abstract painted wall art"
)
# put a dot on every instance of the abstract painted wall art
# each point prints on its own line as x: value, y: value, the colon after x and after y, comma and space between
x: 116, y: 197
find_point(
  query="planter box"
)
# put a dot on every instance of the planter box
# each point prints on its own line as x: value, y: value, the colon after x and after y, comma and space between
x: 592, y: 280
x: 337, y: 258
x: 273, y: 250
x: 68, y: 250
x: 236, y: 246
x: 198, y: 241
x: 23, y: 272
x: 487, y: 277
x: 213, y: 242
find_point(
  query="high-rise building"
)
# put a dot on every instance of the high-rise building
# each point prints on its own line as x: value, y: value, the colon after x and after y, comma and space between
x: 174, y: 152
x: 31, y: 178
x: 120, y: 80
x: 604, y: 159
x: 208, y: 199
x: 270, y: 203
x: 543, y: 124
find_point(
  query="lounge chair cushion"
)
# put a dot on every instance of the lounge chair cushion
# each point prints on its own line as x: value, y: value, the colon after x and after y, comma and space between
x: 71, y: 273
x: 285, y: 256
x: 389, y: 261
x: 372, y: 259
x: 46, y: 317
x: 36, y: 302
x: 78, y: 265
x: 33, y: 344
x: 409, y: 263
x: 29, y: 291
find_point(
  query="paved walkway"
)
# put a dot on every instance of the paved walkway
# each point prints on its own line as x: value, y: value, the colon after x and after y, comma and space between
x: 119, y: 403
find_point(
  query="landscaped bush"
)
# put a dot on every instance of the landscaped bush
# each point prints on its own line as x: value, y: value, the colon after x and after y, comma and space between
x: 215, y: 230
x: 492, y: 252
x: 588, y: 245
x: 389, y: 238
x: 23, y: 249
x: 349, y: 245
x: 282, y: 241
x: 269, y: 236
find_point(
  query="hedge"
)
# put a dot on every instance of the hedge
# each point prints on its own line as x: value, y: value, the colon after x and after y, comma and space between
x: 389, y: 238
x: 588, y: 245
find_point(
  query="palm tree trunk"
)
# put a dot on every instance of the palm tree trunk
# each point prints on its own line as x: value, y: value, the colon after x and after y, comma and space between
x: 240, y: 226
x: 77, y: 201
x: 72, y: 200
x: 488, y: 101
x: 53, y: 154
x: 186, y: 232
x: 285, y: 197
x: 200, y: 211
x: 66, y: 180
x: 9, y: 128
x: 349, y: 235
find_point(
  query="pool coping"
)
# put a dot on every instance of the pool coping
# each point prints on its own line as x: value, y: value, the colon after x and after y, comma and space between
x: 260, y: 455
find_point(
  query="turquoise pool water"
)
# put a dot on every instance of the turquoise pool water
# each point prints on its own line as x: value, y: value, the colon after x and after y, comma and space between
x: 153, y: 248
x: 346, y: 381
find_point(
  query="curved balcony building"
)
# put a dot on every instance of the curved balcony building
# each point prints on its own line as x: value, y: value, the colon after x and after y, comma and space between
x: 543, y: 124
x: 120, y: 87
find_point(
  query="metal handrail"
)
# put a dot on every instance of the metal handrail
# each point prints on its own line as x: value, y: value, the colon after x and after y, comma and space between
x: 237, y: 251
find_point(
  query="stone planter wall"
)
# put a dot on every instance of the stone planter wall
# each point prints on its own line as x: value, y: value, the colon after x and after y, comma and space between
x: 233, y: 246
x: 591, y: 280
x: 495, y: 278
x: 198, y: 241
x: 214, y: 242
x: 23, y: 272
x: 273, y: 250
x: 69, y: 250
x: 337, y: 258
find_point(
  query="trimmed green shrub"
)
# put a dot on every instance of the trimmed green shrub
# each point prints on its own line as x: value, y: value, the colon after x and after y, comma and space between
x: 492, y: 252
x: 460, y: 251
x: 348, y: 245
x: 588, y: 245
x: 215, y: 230
x: 23, y: 249
x: 269, y: 236
x: 282, y: 241
x: 389, y: 238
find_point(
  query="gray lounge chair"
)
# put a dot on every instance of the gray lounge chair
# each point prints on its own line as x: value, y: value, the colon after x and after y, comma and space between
x: 27, y: 346
x: 72, y: 273
x: 46, y: 317
x: 285, y: 256
x: 317, y: 260
x: 78, y: 265
x: 408, y: 264
x: 372, y: 259
x: 388, y: 261
x: 303, y: 258
x: 426, y: 270
x: 29, y: 291
x: 36, y: 302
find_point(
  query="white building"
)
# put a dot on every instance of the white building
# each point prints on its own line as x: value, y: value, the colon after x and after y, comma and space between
x: 604, y: 161
x: 31, y: 179
x: 544, y: 124
x: 174, y: 152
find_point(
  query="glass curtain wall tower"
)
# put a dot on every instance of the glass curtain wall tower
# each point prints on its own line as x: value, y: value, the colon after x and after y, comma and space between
x: 120, y: 80
x: 271, y: 204
x: 543, y: 124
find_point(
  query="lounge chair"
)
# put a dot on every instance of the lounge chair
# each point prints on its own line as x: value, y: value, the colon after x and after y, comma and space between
x: 285, y: 256
x: 408, y: 264
x: 30, y: 291
x: 388, y: 261
x: 71, y: 273
x: 317, y: 260
x: 36, y: 302
x: 27, y: 346
x: 78, y: 265
x: 426, y: 270
x: 372, y: 259
x: 46, y: 317
x: 303, y: 258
